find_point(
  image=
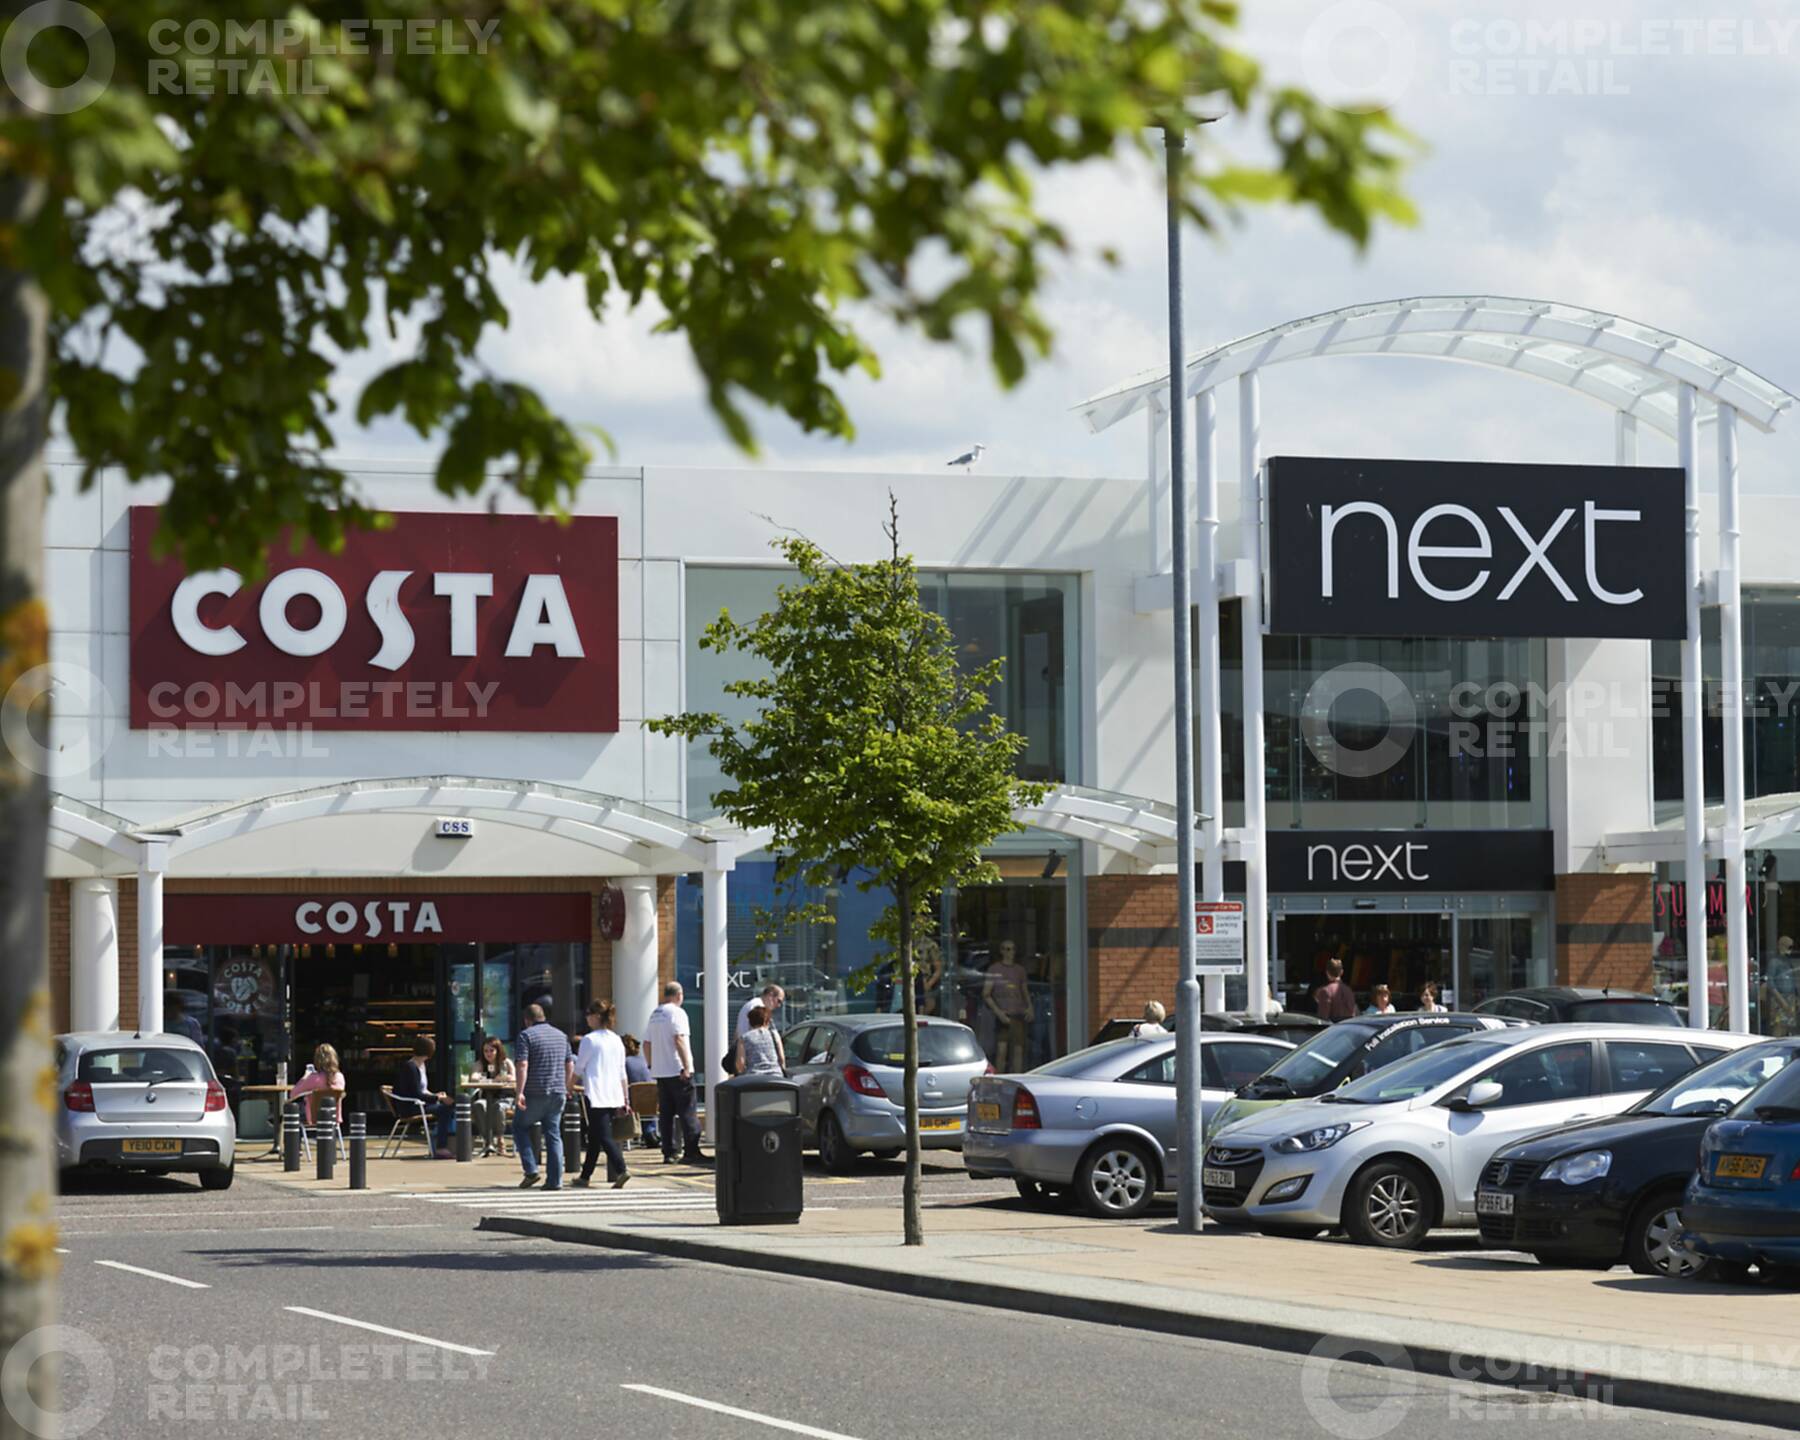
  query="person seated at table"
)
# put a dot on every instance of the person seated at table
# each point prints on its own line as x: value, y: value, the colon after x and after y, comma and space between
x: 323, y: 1074
x: 412, y: 1084
x: 637, y: 1072
x: 491, y: 1108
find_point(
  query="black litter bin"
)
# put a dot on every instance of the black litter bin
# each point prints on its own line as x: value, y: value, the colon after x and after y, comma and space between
x: 757, y: 1173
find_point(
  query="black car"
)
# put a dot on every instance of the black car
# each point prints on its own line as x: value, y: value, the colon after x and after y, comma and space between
x: 1283, y: 1025
x: 1582, y: 1005
x: 1605, y: 1190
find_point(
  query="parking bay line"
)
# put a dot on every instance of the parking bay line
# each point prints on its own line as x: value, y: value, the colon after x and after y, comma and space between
x: 384, y: 1330
x: 153, y: 1274
x: 792, y: 1426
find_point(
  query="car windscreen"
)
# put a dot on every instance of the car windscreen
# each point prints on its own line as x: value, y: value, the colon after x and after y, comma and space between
x: 141, y: 1065
x: 1776, y: 1099
x: 1624, y: 1012
x: 1418, y: 1073
x: 1714, y: 1088
x: 1306, y: 1070
x: 938, y: 1045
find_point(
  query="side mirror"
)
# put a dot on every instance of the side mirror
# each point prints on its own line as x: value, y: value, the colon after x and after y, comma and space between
x: 1481, y: 1094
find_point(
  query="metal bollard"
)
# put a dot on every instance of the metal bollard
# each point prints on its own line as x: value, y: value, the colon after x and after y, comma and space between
x: 290, y: 1136
x: 356, y: 1139
x: 465, y: 1127
x: 571, y: 1133
x: 326, y: 1139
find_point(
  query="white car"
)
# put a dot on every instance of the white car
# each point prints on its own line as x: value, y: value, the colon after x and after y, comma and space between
x: 142, y: 1102
x: 1391, y: 1156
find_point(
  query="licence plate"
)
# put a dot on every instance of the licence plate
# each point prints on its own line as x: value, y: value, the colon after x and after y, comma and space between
x: 939, y: 1122
x: 987, y: 1110
x: 1493, y: 1202
x: 1219, y: 1179
x: 1742, y: 1167
x: 150, y: 1147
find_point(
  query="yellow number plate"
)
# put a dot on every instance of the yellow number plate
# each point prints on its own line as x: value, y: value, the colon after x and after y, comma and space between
x: 151, y: 1147
x: 1742, y: 1167
x: 939, y: 1122
x: 987, y: 1110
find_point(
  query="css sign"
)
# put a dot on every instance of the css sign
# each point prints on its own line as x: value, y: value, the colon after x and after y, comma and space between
x: 1410, y: 547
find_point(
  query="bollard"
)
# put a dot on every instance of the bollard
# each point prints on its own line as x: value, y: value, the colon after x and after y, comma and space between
x: 326, y: 1138
x: 571, y: 1133
x: 465, y: 1127
x: 357, y: 1140
x: 290, y: 1136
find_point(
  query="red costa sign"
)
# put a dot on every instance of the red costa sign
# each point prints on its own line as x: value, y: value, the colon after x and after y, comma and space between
x: 444, y: 622
x: 340, y: 919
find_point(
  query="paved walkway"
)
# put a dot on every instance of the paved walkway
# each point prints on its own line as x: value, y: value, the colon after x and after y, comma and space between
x: 1696, y: 1348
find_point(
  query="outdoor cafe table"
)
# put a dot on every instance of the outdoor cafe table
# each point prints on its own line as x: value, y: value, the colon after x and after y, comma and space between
x: 493, y: 1089
x: 278, y: 1101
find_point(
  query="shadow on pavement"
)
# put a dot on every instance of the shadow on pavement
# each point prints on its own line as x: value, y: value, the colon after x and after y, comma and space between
x: 511, y: 1262
x: 114, y: 1182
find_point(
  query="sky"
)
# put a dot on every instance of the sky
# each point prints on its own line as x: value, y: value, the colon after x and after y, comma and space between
x: 1627, y: 158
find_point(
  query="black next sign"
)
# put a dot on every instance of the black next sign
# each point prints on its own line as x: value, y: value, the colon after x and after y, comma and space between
x: 1429, y: 547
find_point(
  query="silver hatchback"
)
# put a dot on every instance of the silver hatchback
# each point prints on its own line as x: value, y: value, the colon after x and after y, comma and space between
x: 852, y: 1091
x: 142, y: 1102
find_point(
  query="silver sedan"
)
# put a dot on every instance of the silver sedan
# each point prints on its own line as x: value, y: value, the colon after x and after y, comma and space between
x: 1101, y: 1123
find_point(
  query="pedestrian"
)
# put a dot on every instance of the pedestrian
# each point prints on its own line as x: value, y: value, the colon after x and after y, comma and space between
x: 770, y: 999
x: 1381, y: 1001
x: 1151, y: 1026
x: 1429, y: 1003
x: 1335, y: 1000
x: 671, y: 1060
x: 413, y: 1085
x: 544, y: 1070
x: 759, y: 1048
x: 600, y: 1071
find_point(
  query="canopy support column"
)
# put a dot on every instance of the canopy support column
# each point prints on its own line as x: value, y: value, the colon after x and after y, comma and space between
x: 635, y: 955
x: 1157, y: 417
x: 715, y: 983
x: 1693, y: 755
x: 1208, y: 742
x: 152, y: 864
x: 1256, y: 818
x: 93, y: 955
x: 1731, y: 675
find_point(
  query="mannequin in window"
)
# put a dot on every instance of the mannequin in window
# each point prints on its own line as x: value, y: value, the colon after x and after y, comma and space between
x: 1007, y: 994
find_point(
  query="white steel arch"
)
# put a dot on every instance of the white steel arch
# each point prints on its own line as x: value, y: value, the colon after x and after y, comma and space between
x: 1643, y: 374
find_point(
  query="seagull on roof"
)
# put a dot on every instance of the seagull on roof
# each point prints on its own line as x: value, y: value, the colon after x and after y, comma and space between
x: 969, y: 458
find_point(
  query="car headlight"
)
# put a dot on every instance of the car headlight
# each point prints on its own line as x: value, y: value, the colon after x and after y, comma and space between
x: 1321, y: 1139
x: 1579, y: 1169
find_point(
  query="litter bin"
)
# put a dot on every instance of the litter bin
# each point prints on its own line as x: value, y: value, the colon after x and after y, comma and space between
x: 756, y: 1171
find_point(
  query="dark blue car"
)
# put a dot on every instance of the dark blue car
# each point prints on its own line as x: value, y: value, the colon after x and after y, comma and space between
x: 1743, y: 1204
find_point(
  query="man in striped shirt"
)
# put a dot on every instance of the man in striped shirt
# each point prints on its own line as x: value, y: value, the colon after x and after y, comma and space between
x: 544, y: 1071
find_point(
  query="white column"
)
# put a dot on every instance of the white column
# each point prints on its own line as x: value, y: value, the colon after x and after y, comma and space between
x: 716, y: 988
x: 634, y: 955
x: 1210, y: 756
x: 1256, y: 813
x: 93, y: 955
x: 153, y: 861
x: 1731, y: 674
x: 1157, y: 415
x: 1693, y: 755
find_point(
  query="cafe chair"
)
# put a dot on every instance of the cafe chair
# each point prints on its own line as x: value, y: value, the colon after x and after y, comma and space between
x: 644, y: 1103
x: 407, y: 1113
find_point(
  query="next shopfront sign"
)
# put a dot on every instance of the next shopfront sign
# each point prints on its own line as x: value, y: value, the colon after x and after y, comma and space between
x: 1442, y: 862
x: 1411, y: 547
x: 441, y: 622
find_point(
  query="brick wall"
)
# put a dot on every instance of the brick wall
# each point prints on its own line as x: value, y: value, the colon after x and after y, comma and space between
x: 1133, y: 944
x: 1603, y: 927
x: 57, y: 930
x: 665, y: 929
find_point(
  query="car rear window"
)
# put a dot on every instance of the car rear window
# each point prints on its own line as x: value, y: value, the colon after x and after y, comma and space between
x: 141, y: 1065
x: 938, y: 1045
x: 1624, y: 1012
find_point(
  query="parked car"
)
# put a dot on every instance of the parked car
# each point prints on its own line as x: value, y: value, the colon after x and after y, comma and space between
x: 1282, y: 1025
x: 1743, y: 1205
x: 1345, y: 1051
x: 1400, y: 1152
x: 1582, y: 1005
x: 1101, y: 1123
x: 1605, y: 1190
x: 135, y: 1102
x: 852, y: 1099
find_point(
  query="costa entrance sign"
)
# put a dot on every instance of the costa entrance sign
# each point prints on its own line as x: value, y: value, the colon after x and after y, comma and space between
x: 1411, y: 547
x: 442, y: 622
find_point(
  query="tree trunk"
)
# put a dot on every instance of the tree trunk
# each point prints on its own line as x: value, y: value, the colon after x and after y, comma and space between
x: 28, y: 1261
x: 914, y: 1221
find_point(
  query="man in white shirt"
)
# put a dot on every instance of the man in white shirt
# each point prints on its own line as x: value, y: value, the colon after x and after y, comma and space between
x: 770, y: 999
x: 671, y: 1059
x: 600, y: 1072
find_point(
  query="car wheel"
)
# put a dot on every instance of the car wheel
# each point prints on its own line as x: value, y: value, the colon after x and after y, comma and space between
x: 835, y: 1153
x: 218, y: 1178
x: 1651, y: 1246
x: 1291, y: 1232
x: 1389, y: 1204
x: 1116, y: 1180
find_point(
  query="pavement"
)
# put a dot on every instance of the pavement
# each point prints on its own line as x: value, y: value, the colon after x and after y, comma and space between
x: 270, y: 1310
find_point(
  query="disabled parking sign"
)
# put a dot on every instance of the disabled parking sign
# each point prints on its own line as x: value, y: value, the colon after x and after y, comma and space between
x: 1219, y: 937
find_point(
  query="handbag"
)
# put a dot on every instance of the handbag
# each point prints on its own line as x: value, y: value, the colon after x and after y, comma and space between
x: 624, y: 1125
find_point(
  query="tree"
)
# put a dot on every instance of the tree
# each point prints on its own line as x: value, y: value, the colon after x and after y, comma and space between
x: 197, y: 233
x: 870, y: 753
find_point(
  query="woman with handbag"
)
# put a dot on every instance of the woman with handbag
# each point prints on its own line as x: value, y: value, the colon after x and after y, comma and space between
x: 600, y: 1071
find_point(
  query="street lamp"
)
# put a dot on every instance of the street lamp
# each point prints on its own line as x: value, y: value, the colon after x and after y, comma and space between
x: 1189, y: 1121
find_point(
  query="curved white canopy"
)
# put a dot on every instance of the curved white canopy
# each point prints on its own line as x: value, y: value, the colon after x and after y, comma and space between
x: 1634, y: 368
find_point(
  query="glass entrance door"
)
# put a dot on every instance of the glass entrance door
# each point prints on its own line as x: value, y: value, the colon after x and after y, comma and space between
x: 1400, y: 949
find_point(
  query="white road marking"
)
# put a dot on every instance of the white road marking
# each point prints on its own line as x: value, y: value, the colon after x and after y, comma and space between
x: 792, y: 1426
x: 411, y: 1225
x: 384, y: 1330
x: 59, y: 1250
x: 153, y: 1274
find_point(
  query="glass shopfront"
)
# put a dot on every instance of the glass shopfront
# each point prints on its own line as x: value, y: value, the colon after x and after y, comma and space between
x: 1772, y: 900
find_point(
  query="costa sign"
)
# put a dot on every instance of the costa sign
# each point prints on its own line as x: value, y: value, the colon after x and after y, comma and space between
x: 340, y: 919
x: 1410, y: 547
x: 443, y: 622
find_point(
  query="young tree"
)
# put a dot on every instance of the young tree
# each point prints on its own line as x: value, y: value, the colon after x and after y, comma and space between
x: 870, y: 753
